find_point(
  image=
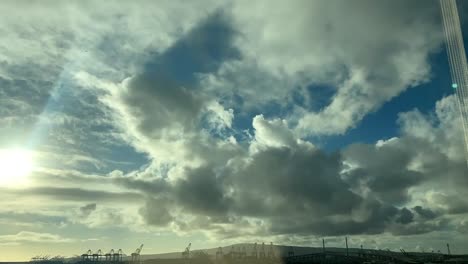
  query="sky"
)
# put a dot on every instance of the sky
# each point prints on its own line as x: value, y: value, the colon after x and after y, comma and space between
x: 219, y: 122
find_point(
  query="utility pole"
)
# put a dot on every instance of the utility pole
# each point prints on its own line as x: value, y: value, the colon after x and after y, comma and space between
x: 254, y: 251
x: 448, y: 249
x: 262, y: 251
x: 347, y: 250
x: 323, y: 245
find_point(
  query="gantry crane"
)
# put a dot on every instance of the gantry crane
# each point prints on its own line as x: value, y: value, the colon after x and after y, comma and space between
x: 254, y: 251
x: 136, y: 254
x: 117, y: 256
x: 109, y: 255
x: 219, y: 253
x: 186, y: 253
x: 262, y: 250
x: 97, y: 255
x: 271, y: 253
x: 85, y: 256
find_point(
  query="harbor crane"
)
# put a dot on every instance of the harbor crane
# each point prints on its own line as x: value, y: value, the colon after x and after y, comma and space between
x: 262, y: 251
x: 136, y: 254
x: 219, y: 253
x: 97, y: 255
x: 85, y: 256
x: 271, y: 253
x: 109, y: 255
x: 118, y: 256
x: 254, y: 251
x: 186, y: 253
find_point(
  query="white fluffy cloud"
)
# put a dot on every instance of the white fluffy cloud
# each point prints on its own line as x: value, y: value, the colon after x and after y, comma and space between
x: 272, y: 133
x: 371, y: 51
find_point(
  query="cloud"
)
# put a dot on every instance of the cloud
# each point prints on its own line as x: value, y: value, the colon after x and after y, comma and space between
x: 295, y: 188
x: 272, y: 133
x: 27, y: 236
x: 386, y: 53
x: 157, y: 212
x: 218, y: 118
x: 87, y: 209
x: 111, y: 215
x: 74, y: 194
x: 202, y: 192
x: 449, y: 201
x: 180, y: 96
x: 383, y: 169
x: 424, y: 212
x: 161, y: 105
x: 31, y: 218
x: 405, y: 216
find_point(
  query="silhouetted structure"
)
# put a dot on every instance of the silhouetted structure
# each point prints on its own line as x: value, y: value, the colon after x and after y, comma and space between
x: 136, y: 255
x: 262, y: 251
x: 254, y: 251
x: 219, y: 253
x: 271, y: 253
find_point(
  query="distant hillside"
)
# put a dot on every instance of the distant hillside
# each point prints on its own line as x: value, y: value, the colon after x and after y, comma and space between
x: 279, y: 250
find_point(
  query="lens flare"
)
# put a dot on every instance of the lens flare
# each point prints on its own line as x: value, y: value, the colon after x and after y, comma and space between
x: 15, y: 166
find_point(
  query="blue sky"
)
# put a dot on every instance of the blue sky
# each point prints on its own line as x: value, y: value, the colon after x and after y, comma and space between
x: 383, y: 124
x: 219, y: 122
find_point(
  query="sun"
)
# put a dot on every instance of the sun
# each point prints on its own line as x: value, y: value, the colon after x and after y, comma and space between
x: 15, y: 166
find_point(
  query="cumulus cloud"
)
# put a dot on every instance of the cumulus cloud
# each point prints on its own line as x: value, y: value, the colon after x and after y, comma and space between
x: 161, y: 105
x: 383, y: 170
x: 360, y: 190
x: 386, y: 53
x: 272, y: 133
x: 157, y: 212
x: 425, y: 212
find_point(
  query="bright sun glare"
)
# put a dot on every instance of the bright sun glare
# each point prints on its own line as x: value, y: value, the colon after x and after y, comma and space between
x: 15, y: 166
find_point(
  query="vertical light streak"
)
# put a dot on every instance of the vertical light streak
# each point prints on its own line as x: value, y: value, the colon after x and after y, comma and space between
x: 457, y: 60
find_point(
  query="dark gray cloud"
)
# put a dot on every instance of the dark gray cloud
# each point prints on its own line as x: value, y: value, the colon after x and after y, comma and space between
x: 305, y: 178
x: 384, y: 169
x: 162, y: 105
x: 453, y: 204
x: 296, y: 190
x: 87, y: 209
x: 154, y: 187
x: 201, y: 192
x: 375, y: 220
x: 425, y: 212
x: 405, y: 216
x: 157, y: 212
x: 462, y: 227
x: 420, y: 227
